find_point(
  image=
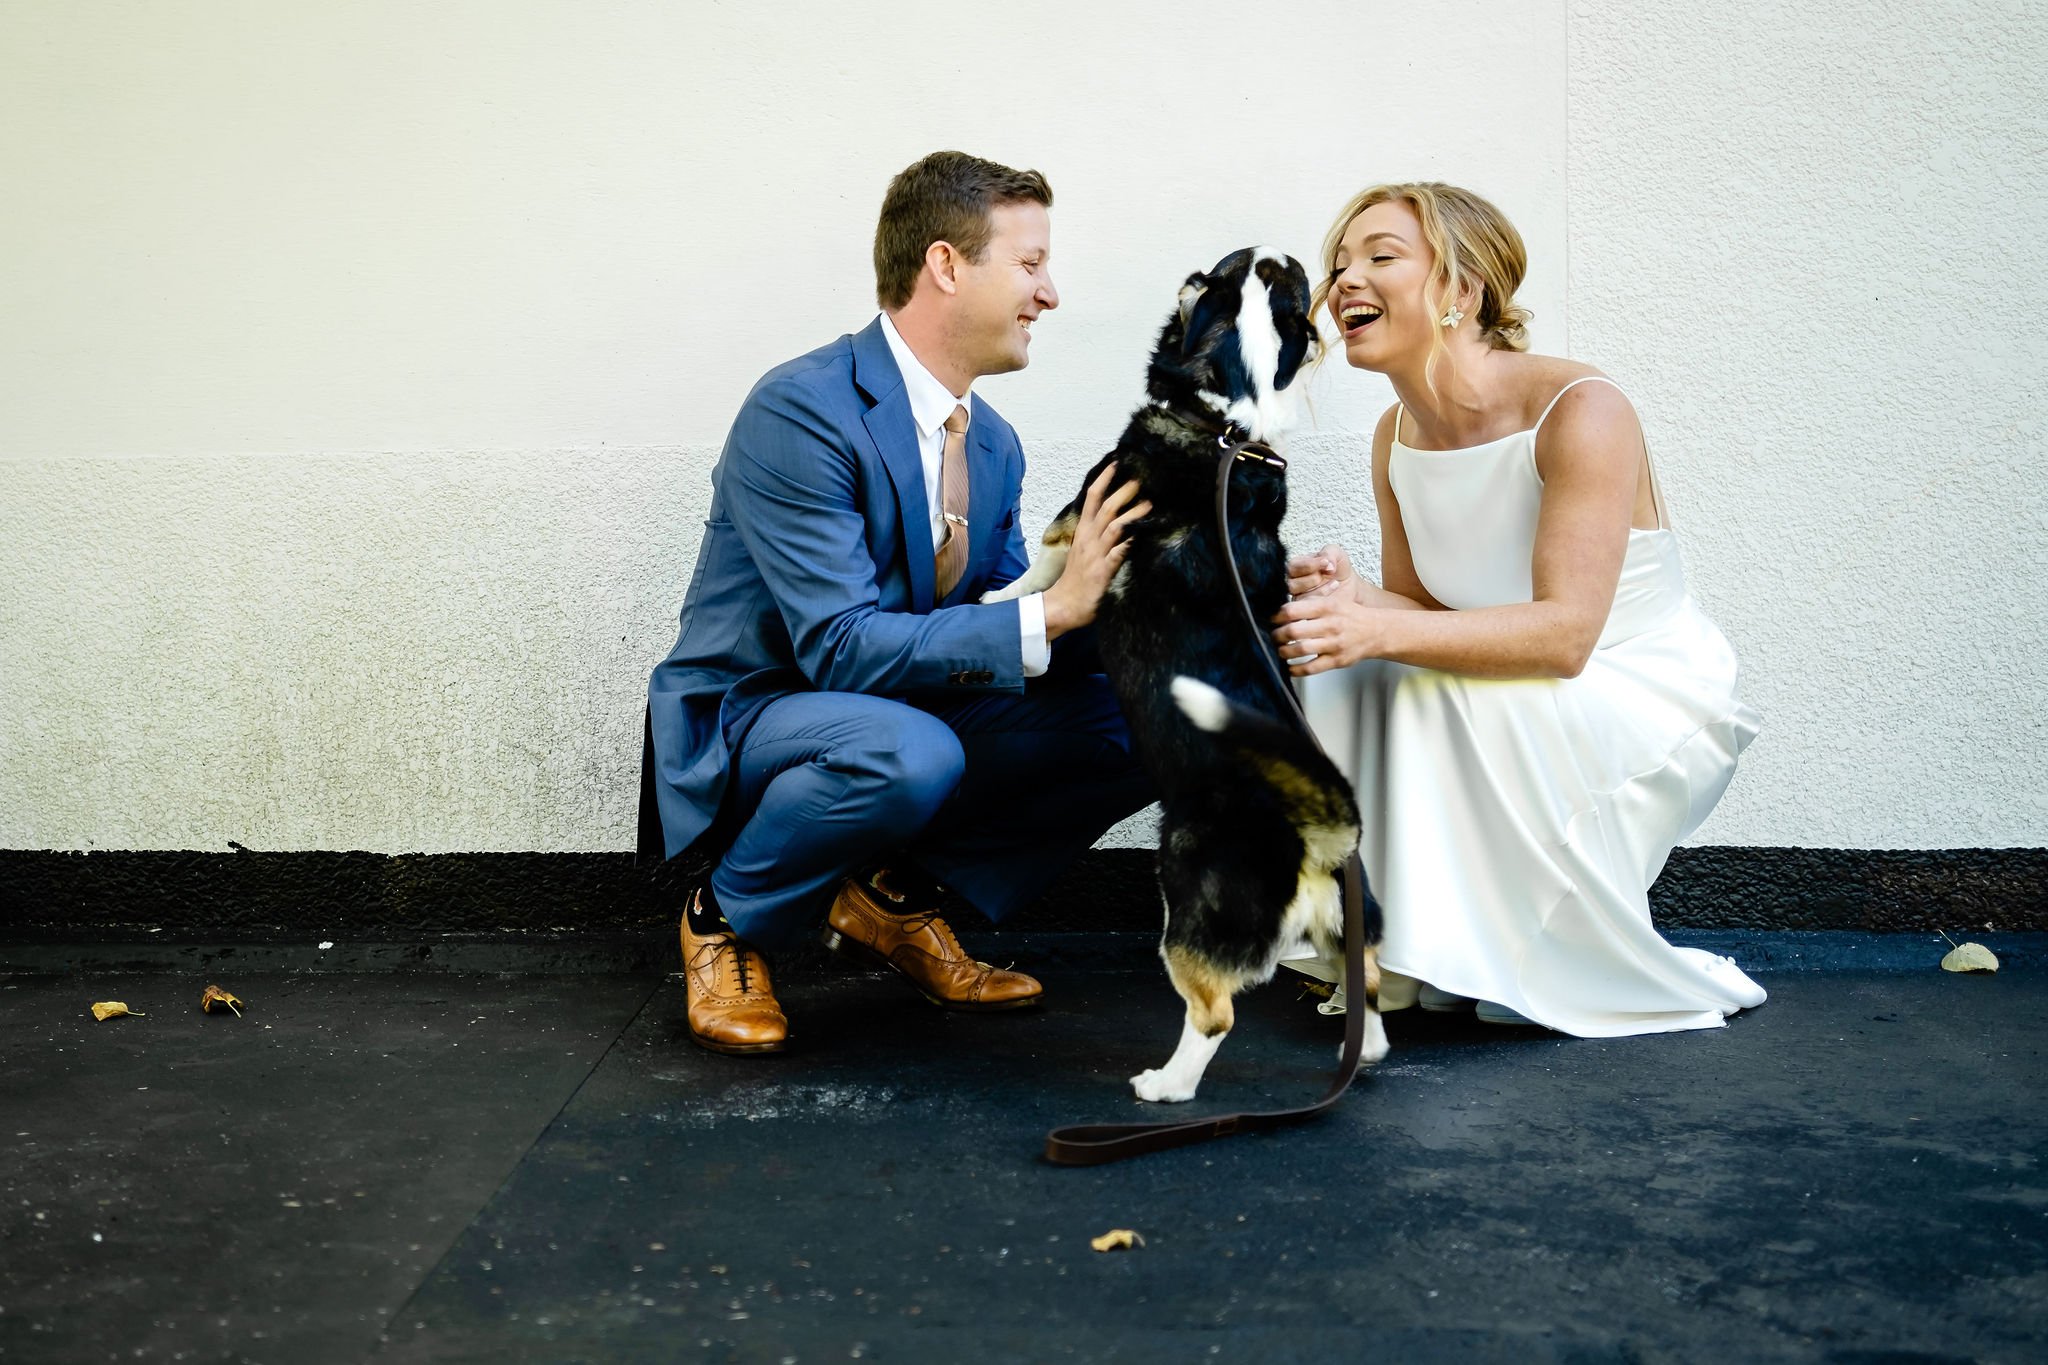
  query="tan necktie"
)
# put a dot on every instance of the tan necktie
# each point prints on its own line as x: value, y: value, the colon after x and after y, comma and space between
x: 951, y: 560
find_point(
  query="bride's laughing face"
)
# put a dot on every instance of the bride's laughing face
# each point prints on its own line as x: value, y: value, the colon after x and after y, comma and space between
x: 1379, y: 291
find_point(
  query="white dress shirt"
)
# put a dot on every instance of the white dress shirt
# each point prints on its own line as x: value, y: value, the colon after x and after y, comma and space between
x: 931, y: 403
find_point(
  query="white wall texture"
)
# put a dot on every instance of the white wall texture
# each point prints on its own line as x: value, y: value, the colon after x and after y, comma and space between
x: 364, y: 364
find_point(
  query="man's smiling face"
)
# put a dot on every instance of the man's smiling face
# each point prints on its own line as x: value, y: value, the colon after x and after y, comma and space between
x: 1003, y: 293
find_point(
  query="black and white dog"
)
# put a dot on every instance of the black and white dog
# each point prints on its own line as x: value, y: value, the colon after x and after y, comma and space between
x: 1256, y: 822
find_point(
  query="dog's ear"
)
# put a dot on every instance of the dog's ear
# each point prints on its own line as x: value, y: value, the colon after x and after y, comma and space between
x: 1199, y: 310
x: 1287, y: 291
x: 1299, y: 343
x: 1190, y: 291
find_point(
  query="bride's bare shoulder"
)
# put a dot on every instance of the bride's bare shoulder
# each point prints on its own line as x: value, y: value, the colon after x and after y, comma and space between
x: 1537, y: 379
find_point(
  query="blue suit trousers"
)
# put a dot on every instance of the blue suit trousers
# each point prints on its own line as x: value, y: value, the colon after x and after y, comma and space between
x: 993, y: 796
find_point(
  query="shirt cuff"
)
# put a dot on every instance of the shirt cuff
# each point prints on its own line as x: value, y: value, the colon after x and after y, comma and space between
x: 1037, y: 649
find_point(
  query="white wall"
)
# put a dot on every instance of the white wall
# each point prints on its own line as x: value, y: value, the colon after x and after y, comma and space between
x: 1809, y: 238
x: 364, y: 365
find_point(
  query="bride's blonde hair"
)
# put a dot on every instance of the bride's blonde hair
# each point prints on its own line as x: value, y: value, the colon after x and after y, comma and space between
x: 1473, y: 241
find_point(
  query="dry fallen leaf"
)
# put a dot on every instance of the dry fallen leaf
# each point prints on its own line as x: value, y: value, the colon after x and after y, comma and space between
x: 1970, y: 957
x: 110, y: 1009
x: 216, y: 996
x: 1116, y: 1239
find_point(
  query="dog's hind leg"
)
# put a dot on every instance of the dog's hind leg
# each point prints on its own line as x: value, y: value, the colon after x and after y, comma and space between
x: 1376, y: 1044
x: 1208, y: 993
x: 1331, y: 946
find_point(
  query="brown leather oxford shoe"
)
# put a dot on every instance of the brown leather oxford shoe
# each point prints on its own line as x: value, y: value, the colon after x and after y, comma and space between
x: 922, y: 948
x: 732, y: 1000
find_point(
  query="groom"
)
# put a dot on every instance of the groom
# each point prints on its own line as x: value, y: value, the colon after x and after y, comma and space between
x: 841, y: 720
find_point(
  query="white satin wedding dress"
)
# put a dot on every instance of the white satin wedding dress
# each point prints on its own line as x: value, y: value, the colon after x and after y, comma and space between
x: 1512, y: 828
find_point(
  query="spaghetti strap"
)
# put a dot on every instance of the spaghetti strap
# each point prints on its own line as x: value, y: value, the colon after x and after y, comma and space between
x: 1656, y: 493
x: 1656, y: 490
x: 1582, y: 379
x: 1397, y: 424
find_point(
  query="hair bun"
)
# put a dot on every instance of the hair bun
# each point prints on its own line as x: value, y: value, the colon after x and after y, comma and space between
x: 1511, y: 332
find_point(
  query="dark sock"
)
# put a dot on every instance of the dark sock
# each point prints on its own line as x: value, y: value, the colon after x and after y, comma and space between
x: 910, y: 890
x: 704, y: 915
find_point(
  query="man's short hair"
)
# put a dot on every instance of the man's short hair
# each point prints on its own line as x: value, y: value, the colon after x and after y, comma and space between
x: 946, y: 197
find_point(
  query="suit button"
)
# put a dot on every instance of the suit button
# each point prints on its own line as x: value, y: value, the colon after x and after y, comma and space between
x: 955, y: 679
x: 986, y: 677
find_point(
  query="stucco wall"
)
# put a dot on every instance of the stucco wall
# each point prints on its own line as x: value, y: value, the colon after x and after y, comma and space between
x: 365, y: 364
x: 1809, y: 239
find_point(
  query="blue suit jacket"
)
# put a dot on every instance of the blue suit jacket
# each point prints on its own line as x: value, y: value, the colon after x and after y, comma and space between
x: 816, y: 573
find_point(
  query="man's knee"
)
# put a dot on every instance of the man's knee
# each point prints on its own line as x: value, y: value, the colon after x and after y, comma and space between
x: 913, y: 766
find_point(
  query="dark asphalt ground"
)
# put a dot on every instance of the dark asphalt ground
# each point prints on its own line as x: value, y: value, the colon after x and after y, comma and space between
x: 505, y: 1165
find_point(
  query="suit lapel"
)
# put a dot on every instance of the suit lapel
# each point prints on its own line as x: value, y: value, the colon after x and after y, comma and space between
x: 893, y: 435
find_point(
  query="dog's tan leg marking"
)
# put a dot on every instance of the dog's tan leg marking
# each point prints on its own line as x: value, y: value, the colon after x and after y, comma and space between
x: 1207, y: 991
x: 1210, y: 1015
x: 1060, y: 535
x: 1046, y: 569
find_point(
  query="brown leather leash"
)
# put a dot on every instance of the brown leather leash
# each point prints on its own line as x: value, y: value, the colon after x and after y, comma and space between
x: 1095, y: 1144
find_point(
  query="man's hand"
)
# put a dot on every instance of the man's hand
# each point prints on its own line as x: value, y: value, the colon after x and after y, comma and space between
x: 1097, y: 552
x: 1326, y: 571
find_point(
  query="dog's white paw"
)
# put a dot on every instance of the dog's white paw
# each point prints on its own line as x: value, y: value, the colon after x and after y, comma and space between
x: 1004, y: 594
x: 1160, y: 1088
x: 1375, y: 1046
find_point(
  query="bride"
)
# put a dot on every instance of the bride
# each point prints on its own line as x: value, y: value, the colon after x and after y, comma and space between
x: 1531, y: 705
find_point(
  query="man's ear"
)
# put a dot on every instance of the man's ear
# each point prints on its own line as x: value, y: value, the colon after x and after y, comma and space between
x: 942, y: 263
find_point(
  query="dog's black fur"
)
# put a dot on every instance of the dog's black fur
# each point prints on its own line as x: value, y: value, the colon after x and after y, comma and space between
x: 1255, y: 819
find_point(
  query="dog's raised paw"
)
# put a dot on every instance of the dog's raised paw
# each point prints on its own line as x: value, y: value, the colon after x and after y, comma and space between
x: 1159, y: 1088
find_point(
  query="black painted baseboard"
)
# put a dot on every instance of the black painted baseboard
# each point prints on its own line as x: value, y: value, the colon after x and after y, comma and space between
x: 242, y: 896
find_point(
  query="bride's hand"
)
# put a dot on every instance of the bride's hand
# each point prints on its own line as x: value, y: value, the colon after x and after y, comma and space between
x: 1326, y: 571
x: 1320, y: 632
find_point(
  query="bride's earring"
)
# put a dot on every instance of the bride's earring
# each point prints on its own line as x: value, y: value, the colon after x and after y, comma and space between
x: 1455, y: 316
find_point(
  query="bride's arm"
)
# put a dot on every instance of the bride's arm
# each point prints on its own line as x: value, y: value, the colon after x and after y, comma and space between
x: 1587, y: 455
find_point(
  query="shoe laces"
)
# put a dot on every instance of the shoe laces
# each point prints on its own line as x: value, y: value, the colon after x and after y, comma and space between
x: 712, y: 947
x: 924, y: 918
x: 910, y: 923
x: 919, y: 919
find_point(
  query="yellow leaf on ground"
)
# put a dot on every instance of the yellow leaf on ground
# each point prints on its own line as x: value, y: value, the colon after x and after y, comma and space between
x: 111, y: 1009
x: 216, y: 996
x: 1970, y: 957
x: 1116, y: 1239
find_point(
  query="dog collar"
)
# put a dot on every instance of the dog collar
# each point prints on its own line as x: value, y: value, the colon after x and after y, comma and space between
x: 1245, y: 450
x: 1253, y: 452
x: 1235, y: 439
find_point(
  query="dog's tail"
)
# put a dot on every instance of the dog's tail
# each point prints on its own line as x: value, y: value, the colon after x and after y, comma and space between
x: 1313, y: 790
